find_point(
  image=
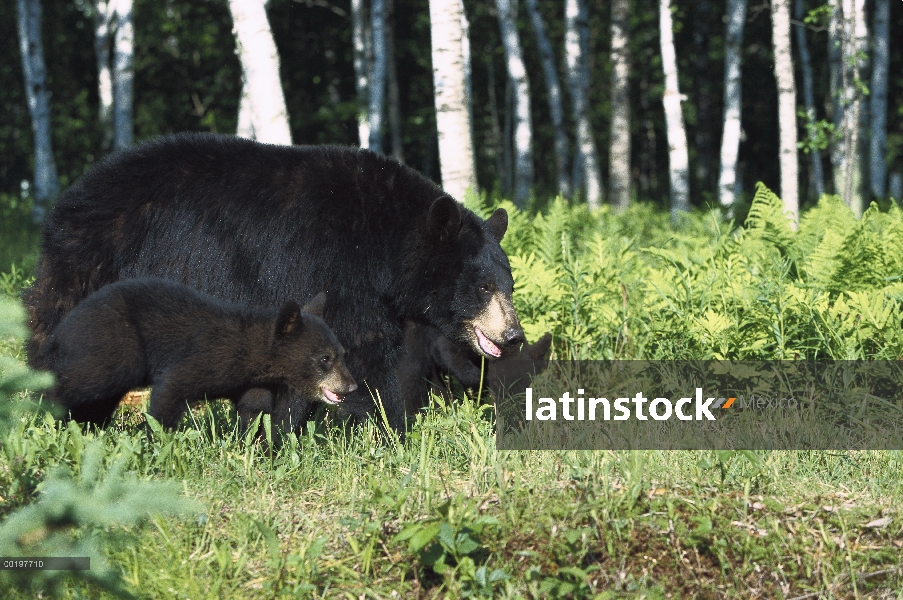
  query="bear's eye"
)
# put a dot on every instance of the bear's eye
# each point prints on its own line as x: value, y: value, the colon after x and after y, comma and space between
x: 485, y: 288
x: 326, y: 361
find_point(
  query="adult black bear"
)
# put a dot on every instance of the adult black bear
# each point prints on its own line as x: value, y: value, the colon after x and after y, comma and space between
x: 185, y: 345
x: 429, y: 358
x: 258, y: 225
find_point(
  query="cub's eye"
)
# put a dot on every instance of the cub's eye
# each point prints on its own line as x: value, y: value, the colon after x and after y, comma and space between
x: 485, y: 288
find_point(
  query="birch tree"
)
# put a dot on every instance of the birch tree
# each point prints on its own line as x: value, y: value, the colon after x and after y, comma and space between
x: 553, y: 91
x: 678, y: 158
x: 835, y: 69
x: 393, y: 97
x: 523, y: 127
x: 378, y: 73
x: 818, y: 177
x: 783, y: 71
x: 123, y: 75
x: 103, y: 17
x: 46, y: 183
x: 730, y: 137
x: 854, y: 47
x: 361, y: 70
x: 456, y: 157
x: 578, y: 82
x: 878, y: 98
x: 245, y: 127
x: 619, y: 162
x: 260, y: 67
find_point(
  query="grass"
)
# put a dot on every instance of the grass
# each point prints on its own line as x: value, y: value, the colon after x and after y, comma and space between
x: 347, y: 512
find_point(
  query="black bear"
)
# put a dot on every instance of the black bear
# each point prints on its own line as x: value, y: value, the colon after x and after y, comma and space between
x: 258, y: 225
x: 186, y: 345
x: 430, y: 357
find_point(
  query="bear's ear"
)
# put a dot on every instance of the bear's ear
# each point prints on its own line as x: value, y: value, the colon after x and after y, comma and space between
x: 315, y: 306
x: 445, y: 218
x: 289, y: 320
x: 498, y: 223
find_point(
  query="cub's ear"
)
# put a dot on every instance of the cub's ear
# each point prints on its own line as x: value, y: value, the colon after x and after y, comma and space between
x: 539, y: 350
x: 445, y: 218
x: 315, y: 306
x: 289, y: 320
x: 498, y: 223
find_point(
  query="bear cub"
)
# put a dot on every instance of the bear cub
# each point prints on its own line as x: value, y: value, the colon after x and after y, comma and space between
x: 186, y: 345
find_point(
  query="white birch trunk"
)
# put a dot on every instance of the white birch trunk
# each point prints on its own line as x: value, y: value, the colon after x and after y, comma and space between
x: 619, y: 163
x: 678, y: 158
x: 835, y: 64
x: 730, y: 138
x: 392, y: 93
x: 245, y: 127
x: 578, y: 81
x: 878, y: 98
x: 123, y: 75
x: 523, y: 126
x: 46, y: 182
x: 260, y: 65
x: 855, y: 42
x: 103, y: 17
x: 456, y: 158
x: 818, y: 176
x: 377, y: 74
x: 783, y: 72
x: 553, y: 90
x: 361, y: 70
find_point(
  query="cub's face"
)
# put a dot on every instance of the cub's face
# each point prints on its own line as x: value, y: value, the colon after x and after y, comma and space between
x: 308, y: 355
x: 472, y: 303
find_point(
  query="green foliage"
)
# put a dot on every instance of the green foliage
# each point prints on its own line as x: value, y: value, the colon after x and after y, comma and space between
x: 628, y: 286
x: 450, y: 544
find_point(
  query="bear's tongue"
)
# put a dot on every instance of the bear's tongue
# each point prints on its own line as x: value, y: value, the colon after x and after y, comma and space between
x: 331, y: 396
x: 487, y: 345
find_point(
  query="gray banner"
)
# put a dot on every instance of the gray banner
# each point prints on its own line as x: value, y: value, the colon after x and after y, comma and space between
x: 45, y: 563
x: 715, y: 405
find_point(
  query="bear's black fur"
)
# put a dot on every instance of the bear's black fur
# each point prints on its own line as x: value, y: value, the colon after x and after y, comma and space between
x: 258, y: 225
x: 186, y: 345
x: 430, y: 358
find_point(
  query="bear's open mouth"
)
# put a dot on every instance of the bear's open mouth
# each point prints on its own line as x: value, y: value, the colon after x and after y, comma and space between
x: 486, y: 345
x: 330, y: 397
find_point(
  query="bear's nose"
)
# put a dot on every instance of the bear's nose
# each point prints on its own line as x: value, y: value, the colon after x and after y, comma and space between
x: 514, y: 336
x: 351, y: 388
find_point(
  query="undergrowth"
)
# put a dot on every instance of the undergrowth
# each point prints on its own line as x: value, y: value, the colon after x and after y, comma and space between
x: 348, y: 512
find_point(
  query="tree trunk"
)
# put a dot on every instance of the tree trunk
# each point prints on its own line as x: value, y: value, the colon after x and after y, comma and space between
x: 702, y: 139
x: 260, y: 65
x: 678, y: 162
x: 523, y: 126
x: 123, y: 75
x: 103, y: 19
x: 835, y: 63
x: 817, y: 175
x: 878, y: 99
x: 495, y: 131
x: 553, y: 90
x: 392, y: 93
x: 361, y: 70
x: 783, y: 72
x: 245, y: 127
x: 46, y: 182
x: 730, y: 138
x: 619, y: 162
x: 378, y: 74
x: 578, y: 81
x: 456, y: 159
x: 855, y: 45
